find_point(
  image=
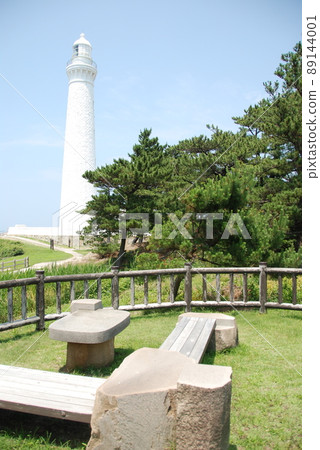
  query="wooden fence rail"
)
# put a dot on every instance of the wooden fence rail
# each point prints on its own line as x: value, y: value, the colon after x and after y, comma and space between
x: 14, y: 264
x: 153, y: 286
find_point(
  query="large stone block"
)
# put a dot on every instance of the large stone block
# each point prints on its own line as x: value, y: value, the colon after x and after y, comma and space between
x: 226, y: 331
x: 133, y: 408
x: 142, y: 405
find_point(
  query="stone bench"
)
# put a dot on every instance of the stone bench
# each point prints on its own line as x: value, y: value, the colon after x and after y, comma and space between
x: 89, y: 331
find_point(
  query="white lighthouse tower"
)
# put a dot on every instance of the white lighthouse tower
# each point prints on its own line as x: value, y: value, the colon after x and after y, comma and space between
x: 79, y: 146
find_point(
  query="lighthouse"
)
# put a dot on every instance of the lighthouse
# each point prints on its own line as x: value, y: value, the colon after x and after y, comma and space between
x: 79, y: 144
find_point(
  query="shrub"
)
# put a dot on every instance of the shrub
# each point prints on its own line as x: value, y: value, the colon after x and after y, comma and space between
x: 10, y: 248
x: 145, y: 261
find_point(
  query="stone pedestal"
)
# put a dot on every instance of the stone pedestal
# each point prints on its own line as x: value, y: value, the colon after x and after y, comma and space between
x: 84, y: 355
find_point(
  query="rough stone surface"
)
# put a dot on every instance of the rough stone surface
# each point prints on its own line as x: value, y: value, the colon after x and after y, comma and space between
x: 136, y: 408
x: 203, y: 408
x: 226, y: 331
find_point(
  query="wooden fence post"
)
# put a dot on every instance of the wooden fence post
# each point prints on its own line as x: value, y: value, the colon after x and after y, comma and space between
x: 58, y: 297
x: 280, y: 294
x: 188, y: 286
x: 40, y: 305
x: 132, y: 291
x: 99, y: 289
x: 10, y: 304
x: 218, y: 287
x: 24, y: 302
x: 72, y: 291
x: 145, y: 290
x: 115, y: 287
x: 263, y: 287
x: 204, y: 287
x: 245, y: 287
x: 159, y: 289
x: 294, y: 289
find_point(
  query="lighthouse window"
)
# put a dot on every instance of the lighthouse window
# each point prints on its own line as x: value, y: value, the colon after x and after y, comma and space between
x: 76, y: 50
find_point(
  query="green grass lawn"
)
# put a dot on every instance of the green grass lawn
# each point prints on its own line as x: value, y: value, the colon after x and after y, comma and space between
x: 266, y: 381
x: 39, y: 254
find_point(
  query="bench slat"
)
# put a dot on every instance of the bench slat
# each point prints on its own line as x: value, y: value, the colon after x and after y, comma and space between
x: 17, y: 403
x: 22, y: 372
x: 32, y: 384
x: 49, y: 394
x: 203, y: 341
x: 191, y: 337
x: 184, y: 336
x: 49, y: 391
x: 174, y: 334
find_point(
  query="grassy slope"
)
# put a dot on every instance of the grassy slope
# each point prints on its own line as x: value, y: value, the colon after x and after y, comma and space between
x: 39, y: 254
x: 266, y: 388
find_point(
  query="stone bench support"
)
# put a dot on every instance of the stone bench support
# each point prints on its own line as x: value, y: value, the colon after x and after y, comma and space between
x: 84, y: 355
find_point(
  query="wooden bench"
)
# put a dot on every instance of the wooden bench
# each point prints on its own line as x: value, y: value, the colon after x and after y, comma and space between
x: 48, y: 394
x: 191, y: 337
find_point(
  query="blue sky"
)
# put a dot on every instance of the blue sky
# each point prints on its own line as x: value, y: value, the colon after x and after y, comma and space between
x: 170, y: 65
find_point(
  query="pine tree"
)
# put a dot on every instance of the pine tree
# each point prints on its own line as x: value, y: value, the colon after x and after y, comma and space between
x: 136, y: 185
x: 255, y: 171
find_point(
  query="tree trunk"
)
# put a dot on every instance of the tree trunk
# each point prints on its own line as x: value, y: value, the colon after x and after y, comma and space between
x: 138, y: 238
x: 177, y: 282
x: 121, y: 251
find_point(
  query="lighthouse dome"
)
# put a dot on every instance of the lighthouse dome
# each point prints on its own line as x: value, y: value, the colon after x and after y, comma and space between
x: 81, y: 47
x: 82, y: 40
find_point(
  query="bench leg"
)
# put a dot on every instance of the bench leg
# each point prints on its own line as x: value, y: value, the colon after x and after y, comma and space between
x: 84, y: 355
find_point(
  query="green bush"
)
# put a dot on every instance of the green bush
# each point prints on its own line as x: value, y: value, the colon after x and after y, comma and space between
x: 146, y: 261
x: 10, y: 248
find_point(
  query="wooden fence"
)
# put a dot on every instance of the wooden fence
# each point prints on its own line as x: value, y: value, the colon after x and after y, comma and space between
x: 224, y: 296
x: 14, y: 264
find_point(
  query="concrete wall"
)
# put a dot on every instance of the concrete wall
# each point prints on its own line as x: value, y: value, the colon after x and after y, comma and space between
x: 23, y: 230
